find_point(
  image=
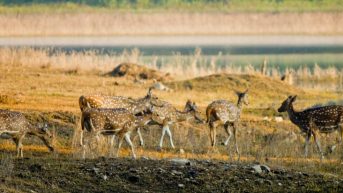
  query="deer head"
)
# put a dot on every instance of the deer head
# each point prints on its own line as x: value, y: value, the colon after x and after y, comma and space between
x: 286, y: 103
x: 46, y: 135
x: 243, y: 97
x: 83, y: 103
x: 192, y: 107
x: 153, y: 100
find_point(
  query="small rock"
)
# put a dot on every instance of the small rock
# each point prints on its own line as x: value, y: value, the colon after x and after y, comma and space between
x: 104, y: 177
x: 181, y: 185
x: 265, y: 168
x: 160, y: 170
x: 257, y: 169
x: 176, y: 172
x: 182, y: 151
x: 279, y: 184
x: 95, y: 170
x: 226, y: 167
x: 181, y: 161
x: 278, y: 119
x: 261, y: 168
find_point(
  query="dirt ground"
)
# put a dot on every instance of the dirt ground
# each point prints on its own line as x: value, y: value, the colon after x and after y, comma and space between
x: 147, y: 175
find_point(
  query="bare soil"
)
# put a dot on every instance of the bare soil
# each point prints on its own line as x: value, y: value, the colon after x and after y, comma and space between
x: 145, y: 175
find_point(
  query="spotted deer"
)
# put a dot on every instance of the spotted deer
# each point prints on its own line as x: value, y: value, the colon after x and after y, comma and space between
x: 135, y: 106
x: 167, y: 115
x: 118, y: 122
x: 313, y: 121
x: 223, y: 112
x: 14, y: 126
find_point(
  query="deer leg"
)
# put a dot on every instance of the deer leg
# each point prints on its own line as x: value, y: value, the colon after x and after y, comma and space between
x: 16, y: 141
x: 228, y: 132
x: 170, y: 136
x: 164, y: 129
x: 211, y: 133
x: 315, y: 136
x: 307, y: 141
x: 340, y: 136
x: 235, y: 140
x: 81, y: 138
x: 141, y: 141
x: 119, y: 145
x: 110, y: 148
x: 128, y: 140
x: 213, y: 127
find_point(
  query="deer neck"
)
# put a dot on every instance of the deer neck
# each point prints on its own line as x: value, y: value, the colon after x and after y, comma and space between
x: 183, y: 115
x: 239, y: 106
x: 144, y: 120
x: 292, y: 114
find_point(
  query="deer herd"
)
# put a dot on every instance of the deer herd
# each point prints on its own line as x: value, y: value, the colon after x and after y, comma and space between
x: 119, y: 117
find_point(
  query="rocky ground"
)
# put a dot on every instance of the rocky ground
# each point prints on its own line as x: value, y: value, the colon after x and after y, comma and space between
x: 147, y: 175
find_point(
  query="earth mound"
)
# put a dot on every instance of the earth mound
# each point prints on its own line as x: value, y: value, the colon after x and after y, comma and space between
x: 131, y: 70
x: 259, y: 86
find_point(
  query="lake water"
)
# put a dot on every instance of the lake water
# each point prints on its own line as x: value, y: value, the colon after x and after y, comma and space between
x: 280, y: 51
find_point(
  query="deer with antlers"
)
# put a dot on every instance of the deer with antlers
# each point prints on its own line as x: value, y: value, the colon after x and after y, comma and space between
x: 223, y: 112
x: 313, y: 121
x: 14, y: 125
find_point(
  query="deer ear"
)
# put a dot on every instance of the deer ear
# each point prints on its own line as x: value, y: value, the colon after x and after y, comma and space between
x: 294, y: 98
x: 149, y: 94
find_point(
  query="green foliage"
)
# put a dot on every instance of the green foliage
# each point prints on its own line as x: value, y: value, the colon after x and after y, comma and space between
x: 188, y: 5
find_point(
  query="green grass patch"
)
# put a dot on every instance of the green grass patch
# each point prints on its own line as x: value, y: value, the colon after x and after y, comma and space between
x: 34, y: 6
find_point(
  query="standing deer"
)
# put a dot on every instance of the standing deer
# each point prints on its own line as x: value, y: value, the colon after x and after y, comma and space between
x: 325, y: 119
x: 118, y: 122
x: 167, y: 115
x: 135, y: 106
x: 223, y: 112
x: 14, y: 125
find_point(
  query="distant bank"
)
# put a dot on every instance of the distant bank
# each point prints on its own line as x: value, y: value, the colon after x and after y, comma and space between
x: 113, y: 23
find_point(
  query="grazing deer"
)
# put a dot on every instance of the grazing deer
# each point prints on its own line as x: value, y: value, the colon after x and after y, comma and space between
x: 14, y: 125
x: 135, y: 106
x: 118, y: 122
x: 226, y: 113
x: 167, y: 115
x: 325, y: 119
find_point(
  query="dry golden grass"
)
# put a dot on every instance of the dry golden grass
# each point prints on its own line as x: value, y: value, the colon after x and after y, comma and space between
x: 169, y: 23
x: 41, y: 86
